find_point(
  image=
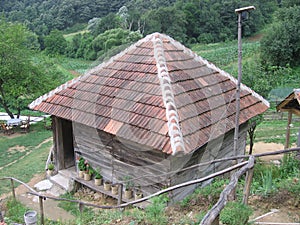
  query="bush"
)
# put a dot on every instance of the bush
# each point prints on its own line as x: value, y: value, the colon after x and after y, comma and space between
x: 155, y: 211
x: 290, y: 166
x: 235, y: 213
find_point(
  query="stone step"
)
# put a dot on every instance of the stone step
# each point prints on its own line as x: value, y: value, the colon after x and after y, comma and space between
x: 62, y: 181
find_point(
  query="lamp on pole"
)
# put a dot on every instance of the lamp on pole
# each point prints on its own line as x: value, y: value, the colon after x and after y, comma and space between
x: 240, y: 12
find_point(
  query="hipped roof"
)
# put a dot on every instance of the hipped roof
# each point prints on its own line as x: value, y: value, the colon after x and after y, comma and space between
x: 156, y: 93
x: 290, y: 103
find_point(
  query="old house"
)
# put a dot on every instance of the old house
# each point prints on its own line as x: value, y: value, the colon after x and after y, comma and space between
x: 148, y: 112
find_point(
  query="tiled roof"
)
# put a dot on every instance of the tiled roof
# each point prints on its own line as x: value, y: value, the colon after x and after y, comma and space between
x: 291, y: 103
x: 156, y: 93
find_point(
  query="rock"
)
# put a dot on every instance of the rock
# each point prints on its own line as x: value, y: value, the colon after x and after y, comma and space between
x: 97, y: 197
x: 43, y: 185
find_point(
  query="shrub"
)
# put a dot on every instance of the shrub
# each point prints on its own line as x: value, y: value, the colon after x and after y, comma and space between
x: 155, y: 211
x: 290, y: 166
x: 235, y: 213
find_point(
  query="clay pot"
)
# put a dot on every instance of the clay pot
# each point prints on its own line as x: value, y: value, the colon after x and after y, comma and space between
x: 80, y: 174
x: 98, y: 182
x: 128, y: 194
x: 138, y: 195
x: 49, y: 172
x: 114, y: 189
x: 86, y: 176
x: 107, y: 185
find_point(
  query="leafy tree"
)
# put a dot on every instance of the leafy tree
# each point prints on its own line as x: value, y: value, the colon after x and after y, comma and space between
x: 281, y: 44
x: 55, y: 43
x: 22, y: 76
x: 290, y: 3
x: 111, y: 21
x: 166, y: 20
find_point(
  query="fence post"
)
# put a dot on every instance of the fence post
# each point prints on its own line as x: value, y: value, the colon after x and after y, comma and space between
x: 80, y: 207
x: 41, y: 209
x: 13, y: 188
x: 216, y: 221
x: 247, y: 186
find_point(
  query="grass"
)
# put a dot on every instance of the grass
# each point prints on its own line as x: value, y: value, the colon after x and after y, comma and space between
x: 32, y: 163
x: 78, y: 66
x: 275, y: 131
x: 225, y: 54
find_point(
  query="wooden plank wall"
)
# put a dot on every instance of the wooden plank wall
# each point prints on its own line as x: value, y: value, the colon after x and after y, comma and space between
x: 219, y: 148
x: 117, y: 158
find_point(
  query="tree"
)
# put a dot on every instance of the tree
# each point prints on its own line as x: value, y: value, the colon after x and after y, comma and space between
x: 22, y: 76
x: 55, y: 43
x: 281, y: 44
x: 168, y: 20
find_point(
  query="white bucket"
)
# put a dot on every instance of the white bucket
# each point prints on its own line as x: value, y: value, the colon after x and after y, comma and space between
x: 30, y: 218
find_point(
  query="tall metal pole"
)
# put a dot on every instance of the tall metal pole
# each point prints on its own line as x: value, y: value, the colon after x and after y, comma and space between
x: 238, y: 85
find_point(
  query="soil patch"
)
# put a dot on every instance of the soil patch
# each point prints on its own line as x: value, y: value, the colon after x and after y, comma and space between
x: 16, y: 148
x: 262, y: 147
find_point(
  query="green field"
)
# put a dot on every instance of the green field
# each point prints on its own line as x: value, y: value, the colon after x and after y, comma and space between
x: 23, y: 155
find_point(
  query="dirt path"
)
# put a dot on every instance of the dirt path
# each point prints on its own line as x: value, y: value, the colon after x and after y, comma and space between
x: 51, y: 209
x: 261, y: 147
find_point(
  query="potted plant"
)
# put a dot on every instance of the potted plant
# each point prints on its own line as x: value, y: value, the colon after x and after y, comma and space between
x: 88, y: 172
x: 138, y: 193
x: 97, y: 177
x: 128, y: 187
x: 81, y: 167
x: 107, y: 185
x: 114, y: 189
x: 50, y: 169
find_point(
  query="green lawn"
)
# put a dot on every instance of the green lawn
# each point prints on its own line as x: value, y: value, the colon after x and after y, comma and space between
x: 26, y: 154
x: 275, y: 131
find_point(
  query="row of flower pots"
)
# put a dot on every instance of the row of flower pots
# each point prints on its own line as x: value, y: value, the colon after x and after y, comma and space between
x: 108, y: 186
x: 86, y: 172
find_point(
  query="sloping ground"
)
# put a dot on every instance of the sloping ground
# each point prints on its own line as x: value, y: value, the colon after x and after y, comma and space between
x: 279, y: 208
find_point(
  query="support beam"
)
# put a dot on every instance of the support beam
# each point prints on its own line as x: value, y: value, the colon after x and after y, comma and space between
x: 288, y: 131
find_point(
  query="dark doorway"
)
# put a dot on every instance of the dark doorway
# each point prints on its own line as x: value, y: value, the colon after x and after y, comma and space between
x: 64, y: 144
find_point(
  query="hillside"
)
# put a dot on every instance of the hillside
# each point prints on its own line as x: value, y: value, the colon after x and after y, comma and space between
x: 42, y: 16
x: 187, y: 21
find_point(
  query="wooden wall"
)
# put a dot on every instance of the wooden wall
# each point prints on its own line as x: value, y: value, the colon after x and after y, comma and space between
x: 221, y: 147
x: 118, y: 158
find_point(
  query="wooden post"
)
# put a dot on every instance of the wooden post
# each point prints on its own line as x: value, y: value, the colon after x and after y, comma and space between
x: 216, y: 221
x: 298, y: 140
x: 120, y: 194
x: 247, y: 186
x: 13, y: 188
x: 81, y: 207
x: 41, y: 209
x: 288, y: 131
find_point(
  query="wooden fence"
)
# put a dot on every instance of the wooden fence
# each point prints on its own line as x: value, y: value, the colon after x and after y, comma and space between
x: 212, y: 217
